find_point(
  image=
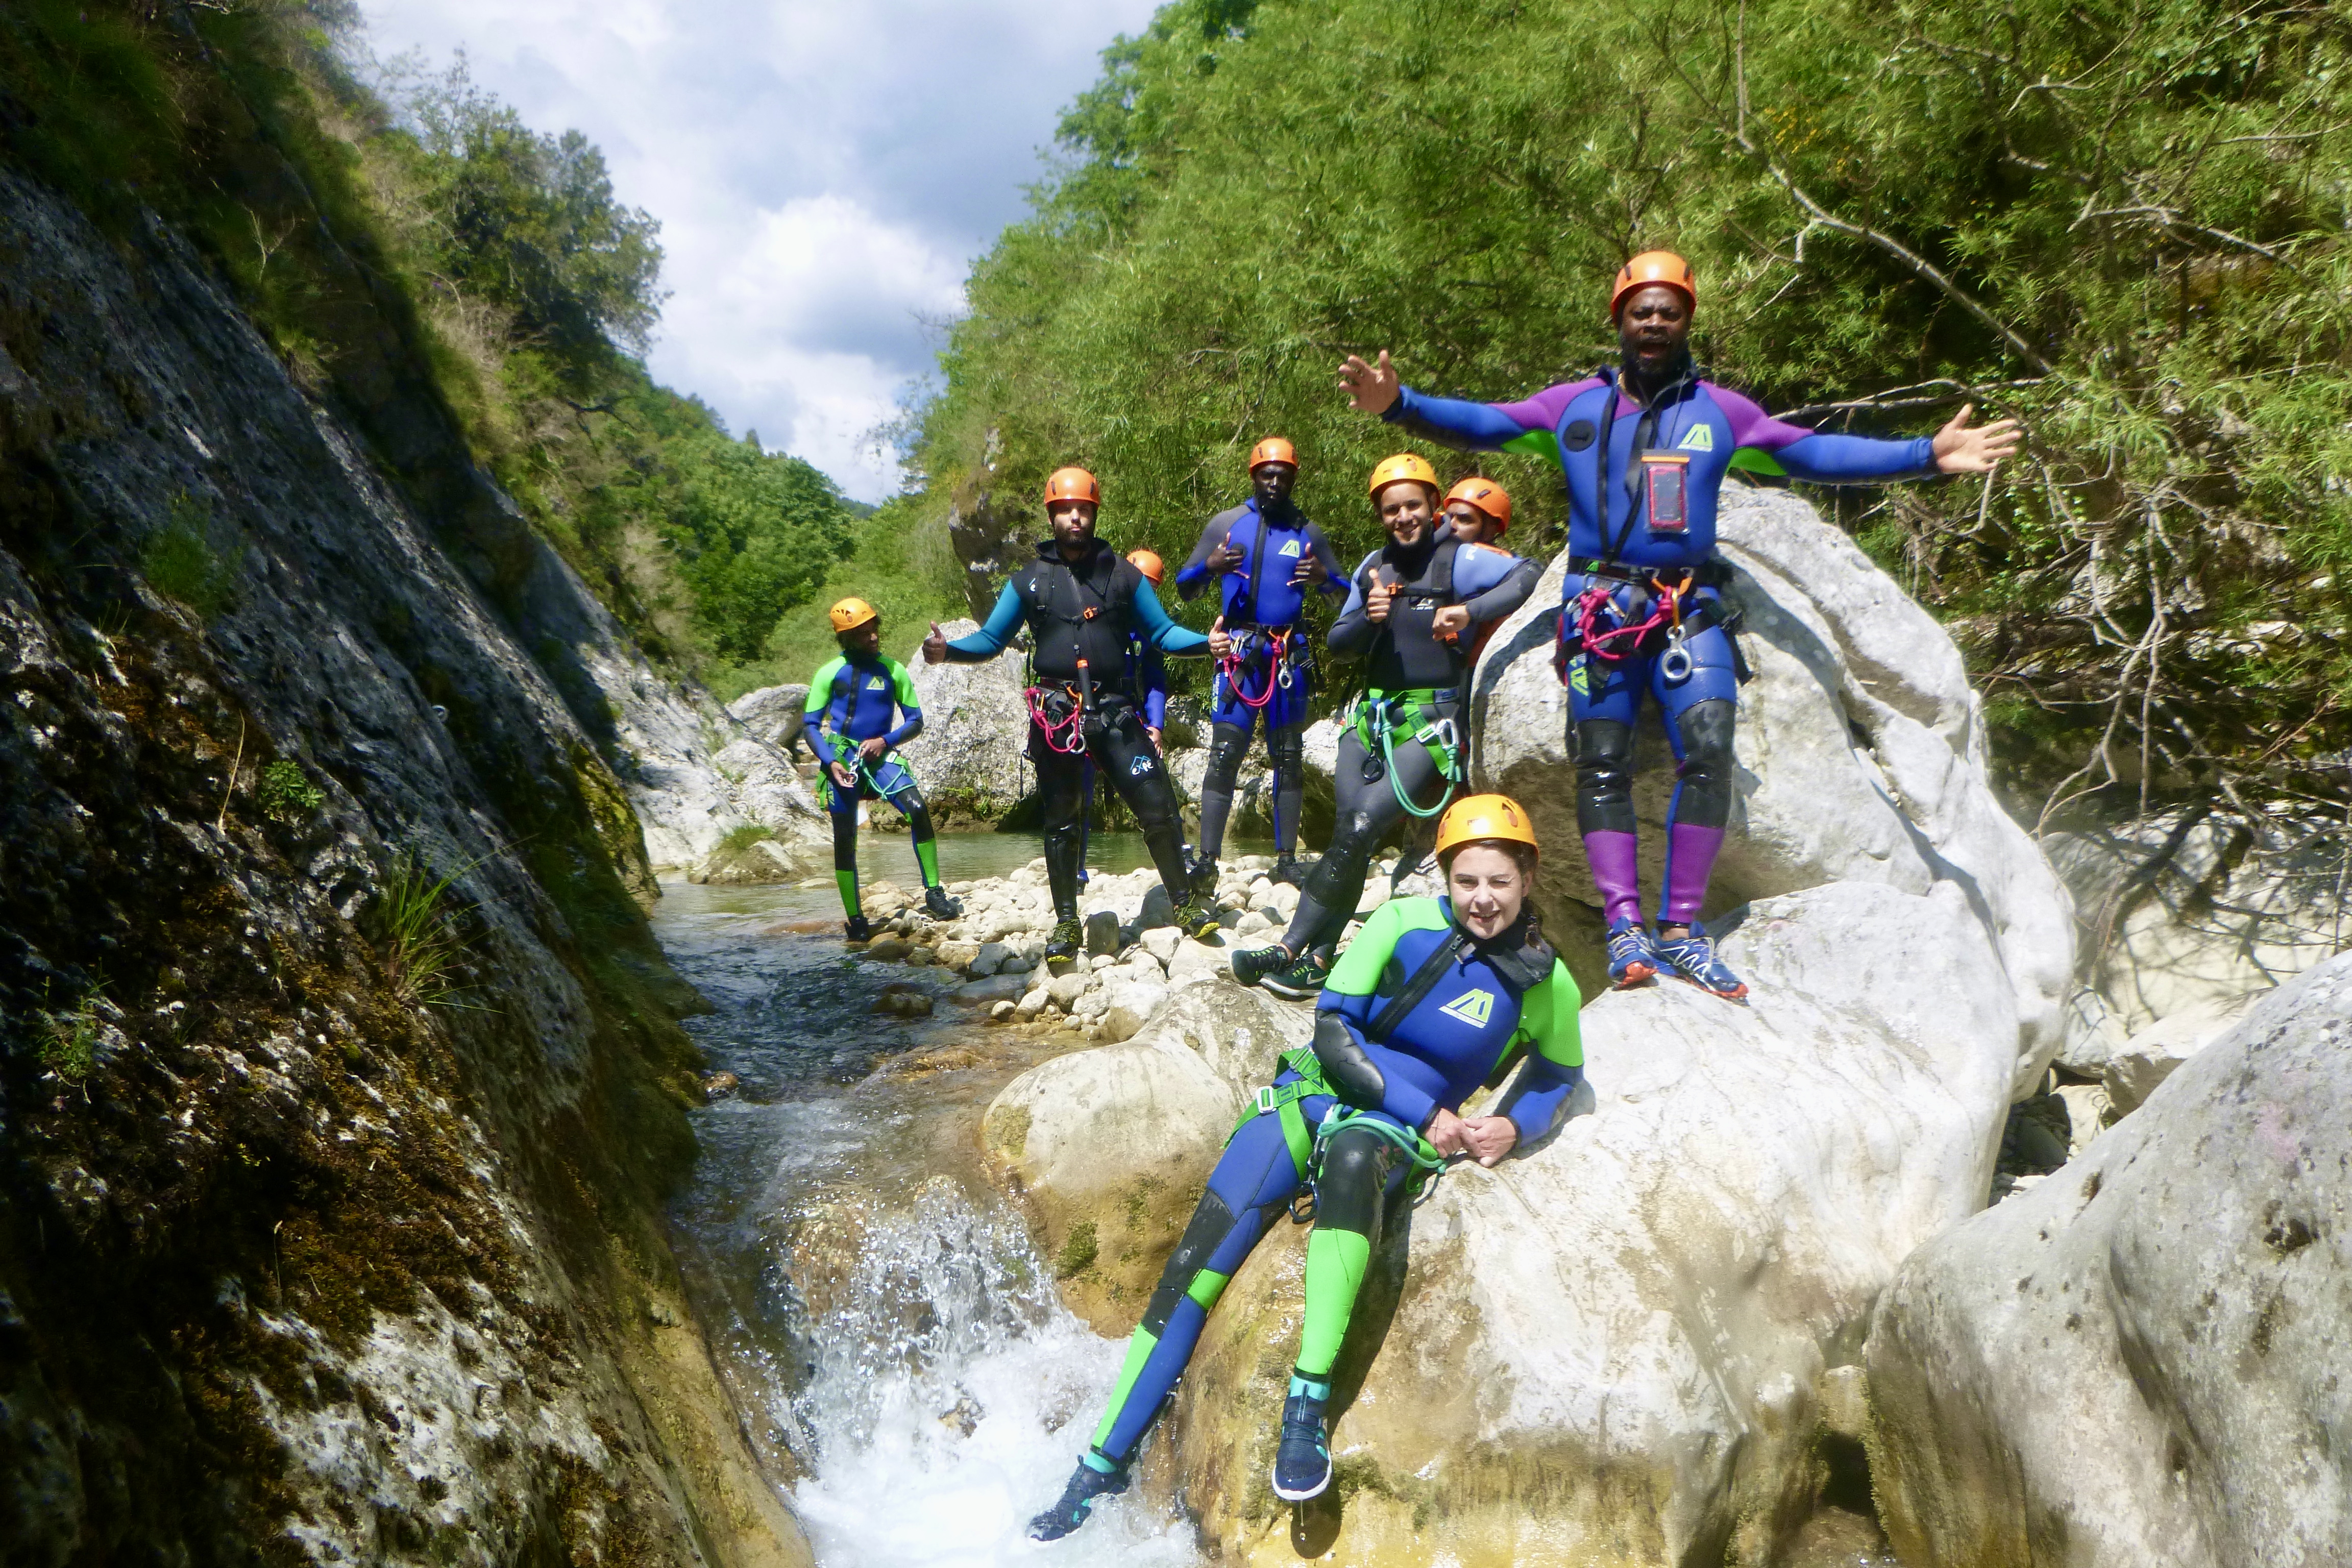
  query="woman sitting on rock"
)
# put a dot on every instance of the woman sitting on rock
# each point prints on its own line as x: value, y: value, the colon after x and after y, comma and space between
x: 1432, y: 997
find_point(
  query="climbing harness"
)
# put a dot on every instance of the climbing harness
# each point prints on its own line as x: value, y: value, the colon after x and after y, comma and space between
x: 1307, y: 1144
x: 1067, y: 735
x: 1379, y: 723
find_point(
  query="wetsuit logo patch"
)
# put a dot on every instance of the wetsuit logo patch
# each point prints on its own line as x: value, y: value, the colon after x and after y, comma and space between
x: 1289, y: 548
x: 1140, y: 766
x: 1700, y: 439
x: 877, y: 684
x: 1472, y: 1007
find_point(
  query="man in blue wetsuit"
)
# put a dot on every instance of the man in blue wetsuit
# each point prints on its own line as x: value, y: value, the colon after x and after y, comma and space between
x: 1263, y: 556
x: 858, y: 694
x: 1081, y: 600
x: 1414, y: 609
x: 1643, y: 446
x: 1433, y: 999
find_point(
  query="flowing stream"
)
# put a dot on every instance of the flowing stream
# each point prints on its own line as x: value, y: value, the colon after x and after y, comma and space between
x: 869, y: 1295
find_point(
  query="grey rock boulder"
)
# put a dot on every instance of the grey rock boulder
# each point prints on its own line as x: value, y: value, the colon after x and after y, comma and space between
x: 2143, y: 1359
x: 970, y: 758
x: 2192, y: 914
x: 773, y: 715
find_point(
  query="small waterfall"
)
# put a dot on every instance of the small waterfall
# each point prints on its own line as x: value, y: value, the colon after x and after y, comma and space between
x: 950, y: 1395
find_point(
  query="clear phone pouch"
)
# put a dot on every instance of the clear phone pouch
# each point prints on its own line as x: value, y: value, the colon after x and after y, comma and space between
x: 1665, y: 482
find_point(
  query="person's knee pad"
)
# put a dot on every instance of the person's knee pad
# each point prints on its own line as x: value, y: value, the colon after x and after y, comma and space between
x: 1213, y: 1221
x: 1286, y: 750
x: 1704, y: 771
x: 1347, y: 1186
x: 1605, y: 776
x: 1345, y: 862
x: 1228, y: 745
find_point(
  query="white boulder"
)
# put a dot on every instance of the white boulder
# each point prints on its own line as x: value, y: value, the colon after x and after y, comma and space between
x: 1611, y: 1345
x: 2144, y: 1358
x: 1862, y: 756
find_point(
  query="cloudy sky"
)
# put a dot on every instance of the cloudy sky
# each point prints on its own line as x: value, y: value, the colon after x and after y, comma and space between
x: 825, y: 172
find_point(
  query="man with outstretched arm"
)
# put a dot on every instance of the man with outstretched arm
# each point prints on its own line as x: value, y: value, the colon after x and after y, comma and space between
x: 857, y: 694
x: 1081, y: 600
x: 1413, y: 610
x: 1643, y: 446
x: 1263, y: 556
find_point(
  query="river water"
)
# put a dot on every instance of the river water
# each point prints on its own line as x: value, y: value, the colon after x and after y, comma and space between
x: 869, y: 1296
x: 874, y: 1303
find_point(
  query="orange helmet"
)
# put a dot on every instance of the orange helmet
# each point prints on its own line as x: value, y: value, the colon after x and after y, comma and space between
x: 1403, y: 465
x: 1073, y: 484
x: 851, y: 614
x: 1478, y: 817
x: 1149, y: 564
x: 1487, y: 497
x: 1273, y: 449
x: 1654, y: 266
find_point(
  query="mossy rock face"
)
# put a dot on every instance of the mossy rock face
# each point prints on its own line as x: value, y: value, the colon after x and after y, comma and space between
x: 278, y: 1205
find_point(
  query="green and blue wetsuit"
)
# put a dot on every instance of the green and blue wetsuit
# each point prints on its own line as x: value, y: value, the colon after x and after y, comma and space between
x: 1491, y: 1001
x: 859, y: 696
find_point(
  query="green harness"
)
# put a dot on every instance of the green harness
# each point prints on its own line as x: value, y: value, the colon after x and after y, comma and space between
x: 1307, y: 1146
x: 1383, y: 719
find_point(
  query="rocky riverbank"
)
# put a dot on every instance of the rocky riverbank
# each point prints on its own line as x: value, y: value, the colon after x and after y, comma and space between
x: 1132, y: 958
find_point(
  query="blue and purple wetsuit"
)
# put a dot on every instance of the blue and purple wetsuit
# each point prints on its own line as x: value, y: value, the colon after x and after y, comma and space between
x: 1642, y: 480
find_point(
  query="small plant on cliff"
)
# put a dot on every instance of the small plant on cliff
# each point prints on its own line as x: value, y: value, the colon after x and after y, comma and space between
x: 420, y: 935
x: 179, y: 562
x: 70, y: 1042
x: 287, y: 795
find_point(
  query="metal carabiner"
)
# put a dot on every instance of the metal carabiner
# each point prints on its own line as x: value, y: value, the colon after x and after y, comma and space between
x: 1675, y: 665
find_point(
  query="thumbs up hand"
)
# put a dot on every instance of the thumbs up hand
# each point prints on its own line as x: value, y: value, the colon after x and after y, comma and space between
x: 935, y: 647
x: 1221, y: 644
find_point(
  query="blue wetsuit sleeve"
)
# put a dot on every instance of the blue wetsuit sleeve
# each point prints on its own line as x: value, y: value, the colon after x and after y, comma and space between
x: 1455, y: 422
x: 1155, y: 688
x: 902, y: 687
x: 1159, y: 630
x: 1400, y: 1100
x: 1335, y: 580
x: 1538, y: 1096
x: 1193, y: 578
x: 1352, y: 632
x: 812, y: 711
x: 1852, y: 459
x: 1491, y: 583
x: 993, y: 637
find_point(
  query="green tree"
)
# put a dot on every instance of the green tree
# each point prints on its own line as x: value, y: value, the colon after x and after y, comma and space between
x: 2124, y: 222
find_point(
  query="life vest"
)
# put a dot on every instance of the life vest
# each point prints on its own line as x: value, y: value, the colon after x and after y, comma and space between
x: 1078, y: 612
x: 1407, y: 656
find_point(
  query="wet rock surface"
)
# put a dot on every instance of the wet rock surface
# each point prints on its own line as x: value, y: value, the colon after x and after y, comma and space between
x: 2143, y: 1359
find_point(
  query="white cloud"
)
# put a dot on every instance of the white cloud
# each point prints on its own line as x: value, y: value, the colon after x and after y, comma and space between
x: 825, y: 173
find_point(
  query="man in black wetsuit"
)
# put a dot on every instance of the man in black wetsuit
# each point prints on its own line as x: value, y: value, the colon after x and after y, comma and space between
x: 1413, y: 615
x: 1082, y: 602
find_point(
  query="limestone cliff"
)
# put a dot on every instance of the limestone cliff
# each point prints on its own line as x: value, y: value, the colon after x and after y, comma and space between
x: 297, y: 1261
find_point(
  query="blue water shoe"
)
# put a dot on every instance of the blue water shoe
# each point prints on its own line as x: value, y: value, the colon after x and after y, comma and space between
x: 1088, y: 1482
x: 1691, y: 958
x: 1633, y: 957
x: 1302, y: 1464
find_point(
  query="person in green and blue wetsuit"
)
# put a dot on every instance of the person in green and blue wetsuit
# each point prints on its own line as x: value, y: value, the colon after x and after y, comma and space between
x: 1414, y: 609
x: 1433, y: 999
x: 859, y: 694
x: 1081, y: 601
x: 1644, y: 448
x: 1265, y: 557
